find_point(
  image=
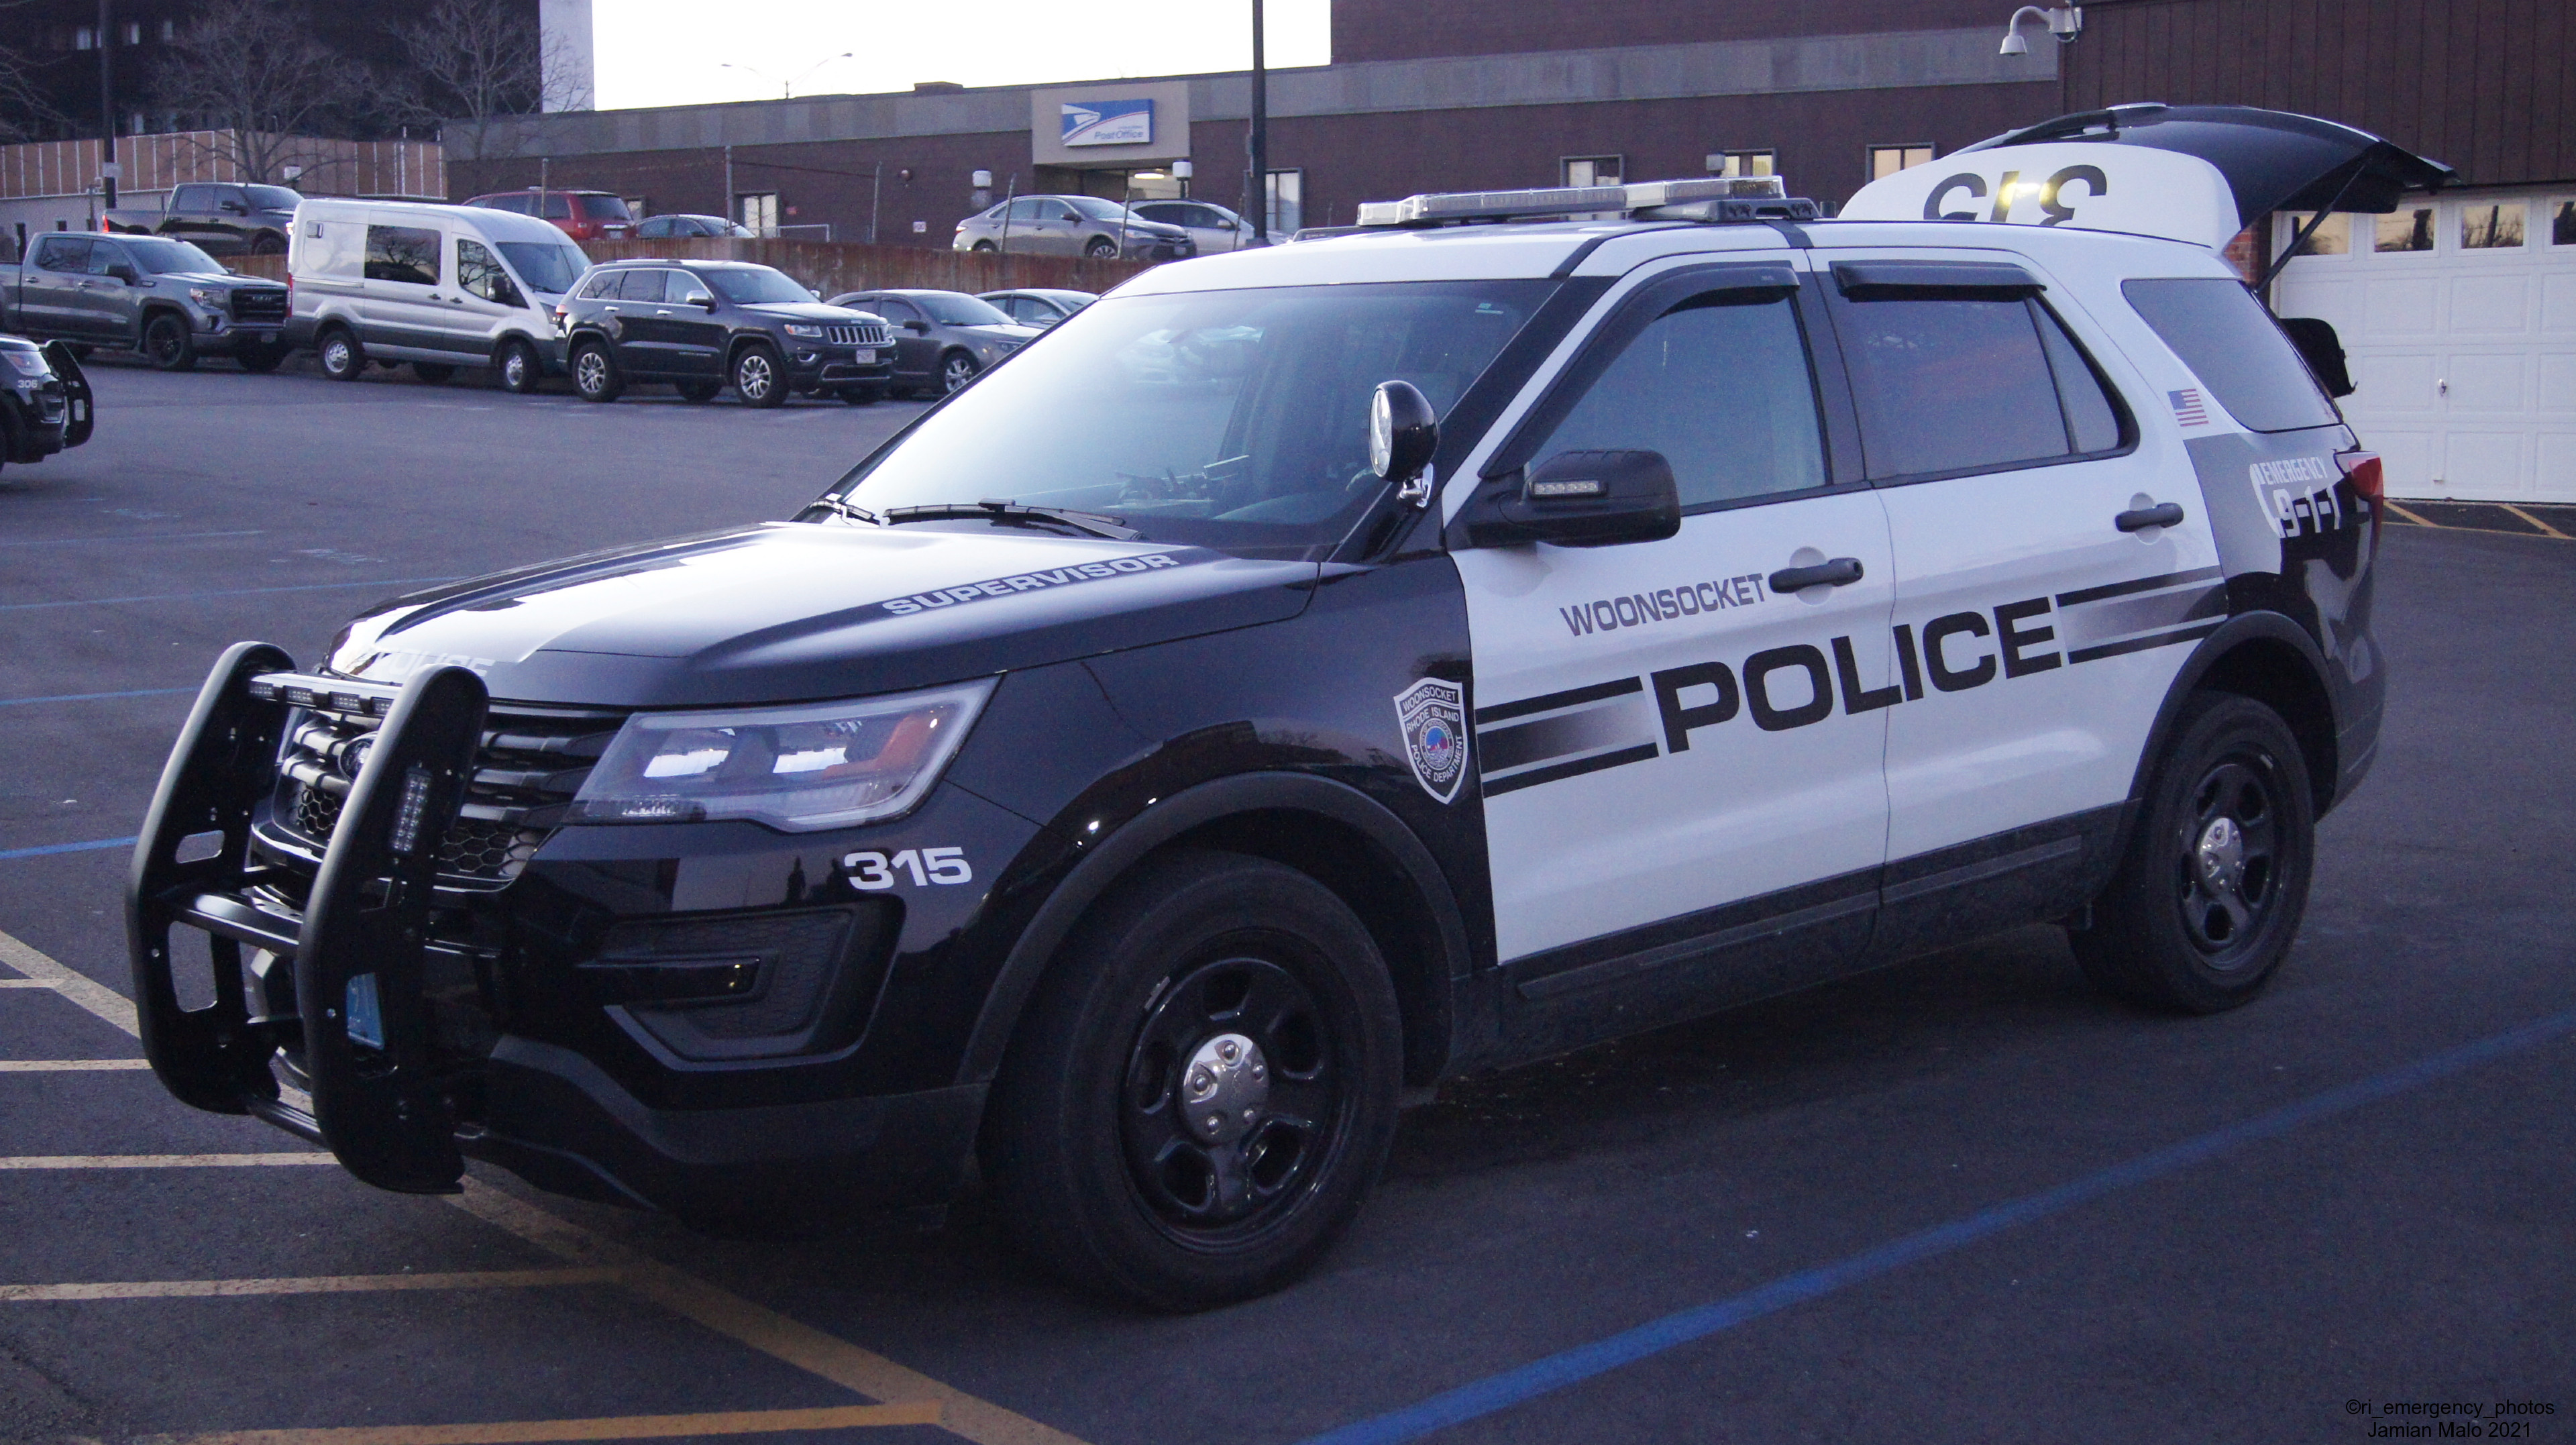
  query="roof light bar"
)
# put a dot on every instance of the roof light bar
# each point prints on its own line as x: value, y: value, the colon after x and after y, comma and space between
x: 1461, y: 206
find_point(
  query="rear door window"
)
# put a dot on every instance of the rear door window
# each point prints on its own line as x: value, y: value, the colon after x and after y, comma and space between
x: 642, y: 284
x: 556, y: 206
x: 1946, y: 386
x: 69, y: 254
x: 605, y: 208
x: 2236, y: 349
x: 408, y: 254
x: 192, y: 198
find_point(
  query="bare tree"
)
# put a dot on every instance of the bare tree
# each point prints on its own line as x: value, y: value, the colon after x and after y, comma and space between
x: 481, y: 62
x: 251, y: 71
x: 22, y: 108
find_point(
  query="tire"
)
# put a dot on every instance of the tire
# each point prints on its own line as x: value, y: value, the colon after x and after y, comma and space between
x: 519, y: 368
x: 268, y: 243
x: 759, y: 377
x: 955, y: 370
x: 1101, y: 249
x: 1207, y: 971
x: 697, y: 391
x: 261, y: 360
x: 986, y: 247
x: 168, y: 342
x: 594, y: 372
x: 436, y: 373
x: 341, y: 357
x: 2209, y: 896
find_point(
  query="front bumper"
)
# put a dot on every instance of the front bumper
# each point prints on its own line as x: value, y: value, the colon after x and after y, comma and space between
x: 812, y: 365
x: 220, y: 335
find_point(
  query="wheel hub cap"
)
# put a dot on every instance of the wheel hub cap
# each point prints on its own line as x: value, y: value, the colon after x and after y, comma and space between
x: 2221, y: 855
x: 1223, y: 1088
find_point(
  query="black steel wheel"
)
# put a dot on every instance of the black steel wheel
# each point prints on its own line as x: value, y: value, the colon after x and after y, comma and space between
x: 955, y: 370
x: 2210, y: 895
x: 519, y: 368
x: 759, y: 378
x: 168, y: 343
x: 1203, y: 1088
x: 594, y: 372
x: 341, y: 359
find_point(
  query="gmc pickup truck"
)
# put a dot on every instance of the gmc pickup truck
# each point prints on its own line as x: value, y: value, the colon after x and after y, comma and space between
x: 166, y: 299
x: 226, y: 220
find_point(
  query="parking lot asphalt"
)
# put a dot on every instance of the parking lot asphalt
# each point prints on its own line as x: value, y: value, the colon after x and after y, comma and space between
x: 1963, y: 1198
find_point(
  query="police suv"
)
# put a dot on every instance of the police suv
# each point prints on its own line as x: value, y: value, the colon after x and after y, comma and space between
x: 1315, y: 672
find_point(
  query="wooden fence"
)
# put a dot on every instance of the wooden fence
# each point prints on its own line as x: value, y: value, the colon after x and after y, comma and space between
x: 832, y: 267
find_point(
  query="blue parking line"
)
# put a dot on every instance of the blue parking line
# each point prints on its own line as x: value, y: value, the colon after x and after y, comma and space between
x: 91, y: 696
x: 92, y: 846
x: 238, y: 592
x: 1571, y: 1367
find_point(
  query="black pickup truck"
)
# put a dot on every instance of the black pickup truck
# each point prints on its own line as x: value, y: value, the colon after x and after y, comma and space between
x: 166, y: 299
x: 226, y: 220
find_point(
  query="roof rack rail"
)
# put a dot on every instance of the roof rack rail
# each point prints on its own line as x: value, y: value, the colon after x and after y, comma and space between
x: 1714, y: 198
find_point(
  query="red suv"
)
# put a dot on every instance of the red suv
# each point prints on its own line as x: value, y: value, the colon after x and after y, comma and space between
x: 584, y: 215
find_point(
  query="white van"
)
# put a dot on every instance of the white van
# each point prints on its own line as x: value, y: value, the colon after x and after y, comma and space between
x: 436, y: 286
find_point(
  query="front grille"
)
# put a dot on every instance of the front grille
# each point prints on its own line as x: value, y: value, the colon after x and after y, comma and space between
x: 859, y: 335
x: 259, y: 305
x: 530, y: 766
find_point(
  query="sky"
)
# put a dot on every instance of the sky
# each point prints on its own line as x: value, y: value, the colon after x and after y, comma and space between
x: 674, y: 52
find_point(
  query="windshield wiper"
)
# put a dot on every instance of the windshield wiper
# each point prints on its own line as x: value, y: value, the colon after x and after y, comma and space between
x: 837, y: 506
x: 1090, y: 524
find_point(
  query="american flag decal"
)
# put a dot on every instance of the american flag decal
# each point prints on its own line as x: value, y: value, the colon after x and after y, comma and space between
x: 2187, y: 408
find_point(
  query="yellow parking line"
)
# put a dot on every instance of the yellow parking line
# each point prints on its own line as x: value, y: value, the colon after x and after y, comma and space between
x: 2409, y: 516
x: 719, y: 1309
x: 321, y: 1284
x: 615, y: 1427
x: 68, y: 1066
x: 2535, y: 521
x: 159, y: 1161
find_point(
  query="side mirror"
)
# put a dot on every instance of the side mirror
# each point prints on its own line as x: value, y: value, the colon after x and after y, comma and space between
x: 1403, y: 435
x: 1581, y: 499
x: 917, y: 328
x: 707, y: 302
x: 125, y: 273
x: 2323, y: 351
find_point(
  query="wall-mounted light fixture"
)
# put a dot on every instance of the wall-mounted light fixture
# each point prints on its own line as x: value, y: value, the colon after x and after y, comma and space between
x: 2065, y: 23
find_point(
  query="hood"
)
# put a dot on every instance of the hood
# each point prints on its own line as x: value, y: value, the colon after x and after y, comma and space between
x: 791, y: 611
x: 806, y: 311
x: 2198, y: 173
x: 1013, y: 333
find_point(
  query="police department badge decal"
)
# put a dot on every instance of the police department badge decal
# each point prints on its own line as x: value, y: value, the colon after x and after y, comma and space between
x: 1433, y: 715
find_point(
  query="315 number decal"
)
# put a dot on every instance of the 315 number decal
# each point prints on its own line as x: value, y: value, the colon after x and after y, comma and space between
x: 926, y: 866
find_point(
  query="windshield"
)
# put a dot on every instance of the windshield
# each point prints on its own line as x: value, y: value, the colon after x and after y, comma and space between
x: 1228, y: 419
x: 1098, y: 209
x: 755, y: 285
x: 273, y: 198
x: 950, y: 308
x: 156, y: 256
x: 544, y: 265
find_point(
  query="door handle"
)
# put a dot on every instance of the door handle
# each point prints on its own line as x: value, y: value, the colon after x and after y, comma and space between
x: 2138, y: 519
x: 1840, y: 572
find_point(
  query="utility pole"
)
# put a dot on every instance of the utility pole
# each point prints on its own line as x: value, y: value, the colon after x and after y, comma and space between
x: 106, y: 108
x: 1256, y: 187
x: 731, y: 208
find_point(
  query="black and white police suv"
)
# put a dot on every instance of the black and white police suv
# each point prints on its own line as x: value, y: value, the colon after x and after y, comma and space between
x: 1311, y: 673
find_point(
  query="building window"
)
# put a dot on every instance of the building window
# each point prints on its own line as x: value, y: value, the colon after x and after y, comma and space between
x: 759, y: 211
x: 84, y: 38
x: 1744, y: 163
x: 1286, y: 211
x: 2410, y: 229
x: 2491, y: 227
x: 1885, y: 161
x: 133, y: 32
x: 169, y: 31
x: 2562, y: 227
x: 1591, y: 170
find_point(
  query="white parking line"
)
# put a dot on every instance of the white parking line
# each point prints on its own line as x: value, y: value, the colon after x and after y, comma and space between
x: 161, y: 1161
x: 70, y: 1066
x: 43, y: 972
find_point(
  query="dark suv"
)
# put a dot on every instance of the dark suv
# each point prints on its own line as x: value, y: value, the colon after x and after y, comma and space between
x: 702, y: 325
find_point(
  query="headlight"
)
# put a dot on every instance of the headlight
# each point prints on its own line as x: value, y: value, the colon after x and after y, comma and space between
x: 210, y: 297
x: 795, y: 330
x: 28, y: 363
x: 820, y: 765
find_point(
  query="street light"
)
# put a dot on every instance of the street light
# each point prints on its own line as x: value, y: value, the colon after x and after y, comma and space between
x: 2065, y: 24
x: 787, y: 88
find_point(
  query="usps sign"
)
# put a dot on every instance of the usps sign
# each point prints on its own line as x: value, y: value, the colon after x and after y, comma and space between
x: 1108, y: 122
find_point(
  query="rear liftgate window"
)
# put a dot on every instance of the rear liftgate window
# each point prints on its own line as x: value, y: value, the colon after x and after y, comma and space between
x: 2232, y: 344
x: 1968, y: 382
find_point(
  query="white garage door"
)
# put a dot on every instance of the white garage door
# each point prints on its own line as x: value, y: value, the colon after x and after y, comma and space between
x: 2459, y: 316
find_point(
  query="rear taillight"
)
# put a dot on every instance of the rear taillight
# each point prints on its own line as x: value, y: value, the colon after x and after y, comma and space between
x: 2368, y: 483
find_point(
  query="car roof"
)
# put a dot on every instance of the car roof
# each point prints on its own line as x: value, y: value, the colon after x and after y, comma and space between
x: 691, y: 262
x: 499, y: 225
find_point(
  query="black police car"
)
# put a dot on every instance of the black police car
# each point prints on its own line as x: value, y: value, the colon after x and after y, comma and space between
x: 45, y: 402
x: 706, y: 325
x: 1319, y: 671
